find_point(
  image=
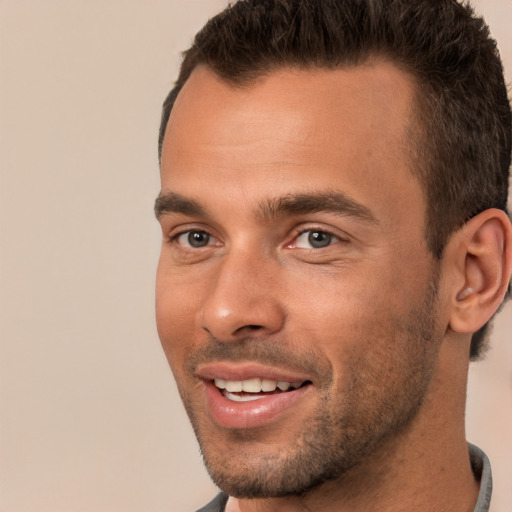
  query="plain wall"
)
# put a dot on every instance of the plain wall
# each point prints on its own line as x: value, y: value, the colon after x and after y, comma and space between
x: 90, y: 419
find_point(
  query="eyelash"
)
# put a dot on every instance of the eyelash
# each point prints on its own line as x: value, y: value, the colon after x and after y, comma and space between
x: 173, y: 239
x: 337, y: 238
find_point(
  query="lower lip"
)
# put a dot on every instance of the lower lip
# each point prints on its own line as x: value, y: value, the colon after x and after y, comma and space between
x: 254, y: 413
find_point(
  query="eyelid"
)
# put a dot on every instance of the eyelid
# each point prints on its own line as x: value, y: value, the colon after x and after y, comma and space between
x: 340, y: 236
x: 186, y: 243
x: 176, y: 232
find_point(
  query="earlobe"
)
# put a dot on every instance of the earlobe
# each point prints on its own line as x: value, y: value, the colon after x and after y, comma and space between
x: 483, y: 259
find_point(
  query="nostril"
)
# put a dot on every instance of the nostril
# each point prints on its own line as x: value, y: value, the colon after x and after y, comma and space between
x: 249, y: 327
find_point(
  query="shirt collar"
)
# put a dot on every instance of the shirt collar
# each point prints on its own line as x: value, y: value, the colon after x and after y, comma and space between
x: 482, y: 470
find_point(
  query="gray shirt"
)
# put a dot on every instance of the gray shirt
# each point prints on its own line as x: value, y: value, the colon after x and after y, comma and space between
x: 479, y: 463
x: 482, y: 471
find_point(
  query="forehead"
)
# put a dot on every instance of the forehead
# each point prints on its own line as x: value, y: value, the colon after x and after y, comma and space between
x: 375, y: 90
x: 293, y: 130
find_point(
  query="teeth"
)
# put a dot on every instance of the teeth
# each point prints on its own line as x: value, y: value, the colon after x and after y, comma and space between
x: 255, y: 385
x: 242, y: 398
x: 234, y: 386
x: 268, y: 385
x: 283, y: 386
x: 220, y: 383
x: 251, y: 385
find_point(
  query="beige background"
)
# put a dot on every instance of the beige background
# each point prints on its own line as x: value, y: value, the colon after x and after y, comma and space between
x: 89, y: 416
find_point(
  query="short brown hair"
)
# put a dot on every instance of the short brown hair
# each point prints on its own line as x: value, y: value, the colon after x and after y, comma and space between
x: 463, y: 142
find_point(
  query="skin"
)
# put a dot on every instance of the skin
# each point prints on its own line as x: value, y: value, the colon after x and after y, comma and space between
x: 367, y: 318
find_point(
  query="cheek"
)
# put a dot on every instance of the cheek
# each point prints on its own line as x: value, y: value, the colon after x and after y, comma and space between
x: 339, y: 303
x: 352, y: 316
x: 176, y: 307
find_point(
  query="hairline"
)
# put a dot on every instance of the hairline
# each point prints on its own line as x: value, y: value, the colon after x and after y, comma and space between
x: 415, y: 132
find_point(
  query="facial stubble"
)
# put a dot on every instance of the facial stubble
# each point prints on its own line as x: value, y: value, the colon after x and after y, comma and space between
x: 380, y: 396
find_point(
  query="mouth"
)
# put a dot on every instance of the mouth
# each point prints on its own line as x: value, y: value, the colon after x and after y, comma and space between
x: 247, y: 395
x: 255, y: 388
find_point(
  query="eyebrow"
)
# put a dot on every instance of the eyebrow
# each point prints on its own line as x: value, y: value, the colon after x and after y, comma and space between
x: 330, y: 202
x: 287, y: 205
x: 171, y: 202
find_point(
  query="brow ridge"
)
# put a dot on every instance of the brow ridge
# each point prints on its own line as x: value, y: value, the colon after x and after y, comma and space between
x: 302, y: 204
x: 271, y: 209
x: 172, y: 202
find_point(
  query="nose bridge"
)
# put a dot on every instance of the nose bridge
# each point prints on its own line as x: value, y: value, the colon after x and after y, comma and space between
x: 243, y: 297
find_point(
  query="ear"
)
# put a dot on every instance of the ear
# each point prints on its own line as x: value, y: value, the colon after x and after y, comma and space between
x: 482, y: 257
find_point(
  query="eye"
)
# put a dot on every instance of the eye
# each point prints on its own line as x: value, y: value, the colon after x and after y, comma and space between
x: 194, y: 239
x: 314, y: 239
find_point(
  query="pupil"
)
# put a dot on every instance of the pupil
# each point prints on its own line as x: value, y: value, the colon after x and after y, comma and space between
x: 198, y: 238
x: 319, y: 239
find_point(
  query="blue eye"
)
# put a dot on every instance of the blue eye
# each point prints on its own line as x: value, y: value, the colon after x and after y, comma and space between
x: 195, y: 239
x: 315, y: 239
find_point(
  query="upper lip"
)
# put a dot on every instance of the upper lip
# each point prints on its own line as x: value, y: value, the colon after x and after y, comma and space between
x: 248, y: 370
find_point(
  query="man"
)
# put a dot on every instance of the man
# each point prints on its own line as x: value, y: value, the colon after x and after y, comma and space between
x: 333, y: 206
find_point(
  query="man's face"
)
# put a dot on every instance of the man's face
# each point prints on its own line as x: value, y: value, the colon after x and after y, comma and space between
x: 295, y: 294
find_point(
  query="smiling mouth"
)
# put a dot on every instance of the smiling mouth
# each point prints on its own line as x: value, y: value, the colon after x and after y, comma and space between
x: 255, y: 389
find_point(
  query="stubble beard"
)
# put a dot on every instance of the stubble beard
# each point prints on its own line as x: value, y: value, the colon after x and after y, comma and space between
x: 343, y: 434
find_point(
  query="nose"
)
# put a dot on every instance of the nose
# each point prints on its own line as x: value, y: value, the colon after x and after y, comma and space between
x: 243, y: 299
